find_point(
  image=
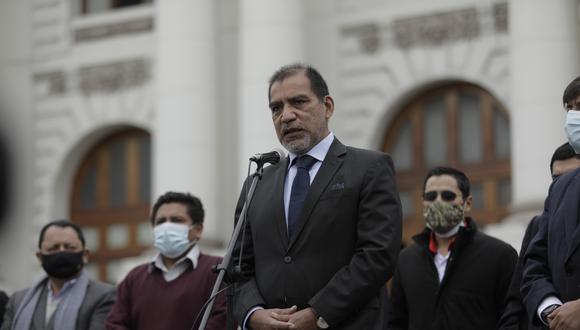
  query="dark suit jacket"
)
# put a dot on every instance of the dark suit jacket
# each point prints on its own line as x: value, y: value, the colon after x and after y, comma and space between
x: 515, y: 316
x: 98, y: 301
x: 345, y: 247
x: 552, y: 262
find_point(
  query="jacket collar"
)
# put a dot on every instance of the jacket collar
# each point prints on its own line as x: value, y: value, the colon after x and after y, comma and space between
x: 464, y: 235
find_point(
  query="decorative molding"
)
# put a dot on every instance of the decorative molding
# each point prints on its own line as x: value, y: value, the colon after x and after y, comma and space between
x: 436, y: 29
x: 431, y: 29
x: 113, y: 77
x: 51, y: 83
x: 368, y: 34
x: 500, y: 17
x: 112, y: 30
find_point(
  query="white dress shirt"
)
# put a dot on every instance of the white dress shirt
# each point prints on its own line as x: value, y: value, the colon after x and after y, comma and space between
x: 179, y: 267
x: 52, y: 300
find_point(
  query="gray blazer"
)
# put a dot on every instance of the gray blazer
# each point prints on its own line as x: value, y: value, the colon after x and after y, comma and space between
x: 97, y: 303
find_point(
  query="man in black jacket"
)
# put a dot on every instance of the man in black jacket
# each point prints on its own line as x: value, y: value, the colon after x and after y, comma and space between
x: 454, y: 276
x: 515, y: 317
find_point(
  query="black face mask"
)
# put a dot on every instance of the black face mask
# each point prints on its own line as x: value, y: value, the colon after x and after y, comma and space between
x: 62, y: 264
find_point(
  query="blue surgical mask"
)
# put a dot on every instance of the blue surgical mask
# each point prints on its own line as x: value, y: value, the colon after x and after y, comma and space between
x: 171, y: 239
x: 573, y: 129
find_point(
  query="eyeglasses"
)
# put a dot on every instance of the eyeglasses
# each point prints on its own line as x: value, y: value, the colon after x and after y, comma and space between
x: 446, y: 195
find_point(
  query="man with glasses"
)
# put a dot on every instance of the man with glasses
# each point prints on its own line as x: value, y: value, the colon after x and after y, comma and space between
x: 551, y: 279
x: 454, y: 276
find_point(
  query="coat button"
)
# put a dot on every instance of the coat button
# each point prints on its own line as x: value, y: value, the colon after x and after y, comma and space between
x: 287, y: 259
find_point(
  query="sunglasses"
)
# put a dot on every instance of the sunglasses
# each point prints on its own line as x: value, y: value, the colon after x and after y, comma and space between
x: 446, y: 195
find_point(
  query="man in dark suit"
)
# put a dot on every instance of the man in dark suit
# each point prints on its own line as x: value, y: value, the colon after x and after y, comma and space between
x: 324, y: 228
x: 551, y: 279
x: 515, y: 317
x: 66, y: 299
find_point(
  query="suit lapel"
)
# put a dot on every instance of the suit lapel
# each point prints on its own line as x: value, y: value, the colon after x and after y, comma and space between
x: 569, y: 209
x: 278, y: 198
x: 331, y: 163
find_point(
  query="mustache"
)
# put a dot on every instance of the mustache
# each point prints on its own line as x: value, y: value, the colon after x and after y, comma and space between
x: 291, y: 128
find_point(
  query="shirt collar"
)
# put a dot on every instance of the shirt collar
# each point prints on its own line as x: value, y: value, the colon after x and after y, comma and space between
x: 319, y: 151
x: 65, y: 288
x: 192, y: 256
x: 433, y: 247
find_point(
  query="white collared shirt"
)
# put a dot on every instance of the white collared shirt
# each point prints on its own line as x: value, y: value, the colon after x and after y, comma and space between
x: 53, y: 300
x: 441, y: 264
x: 179, y: 267
x: 319, y: 152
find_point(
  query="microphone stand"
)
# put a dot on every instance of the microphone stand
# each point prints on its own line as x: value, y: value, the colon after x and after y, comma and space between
x: 222, y: 268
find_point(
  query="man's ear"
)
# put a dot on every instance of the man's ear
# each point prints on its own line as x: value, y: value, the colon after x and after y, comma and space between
x: 195, y: 232
x: 328, y: 102
x: 468, y: 203
x: 86, y: 254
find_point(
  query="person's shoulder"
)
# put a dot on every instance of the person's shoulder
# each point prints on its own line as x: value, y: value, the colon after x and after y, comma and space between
x: 365, y: 152
x: 207, y: 261
x: 410, y: 252
x: 493, y: 243
x: 139, y: 270
x: 209, y: 258
x: 99, y: 287
x: 19, y: 294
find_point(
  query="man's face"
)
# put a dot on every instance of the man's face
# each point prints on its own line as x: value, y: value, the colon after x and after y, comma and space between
x: 561, y: 167
x: 300, y: 118
x: 445, y: 189
x: 574, y: 104
x: 61, y: 239
x: 177, y: 213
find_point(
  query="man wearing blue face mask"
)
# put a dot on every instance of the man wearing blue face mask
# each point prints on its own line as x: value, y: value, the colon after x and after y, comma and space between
x: 551, y: 277
x: 170, y: 291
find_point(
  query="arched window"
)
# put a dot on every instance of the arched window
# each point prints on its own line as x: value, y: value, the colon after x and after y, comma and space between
x: 111, y: 199
x: 458, y: 125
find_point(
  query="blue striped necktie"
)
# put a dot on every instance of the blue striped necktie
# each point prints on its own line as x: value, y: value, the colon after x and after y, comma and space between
x: 299, y: 190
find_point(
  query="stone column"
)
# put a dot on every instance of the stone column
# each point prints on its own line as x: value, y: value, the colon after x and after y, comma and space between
x: 544, y: 58
x: 271, y: 35
x: 184, y: 149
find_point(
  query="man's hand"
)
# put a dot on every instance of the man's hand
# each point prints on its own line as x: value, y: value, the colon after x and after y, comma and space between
x: 304, y: 319
x: 274, y: 318
x: 566, y: 316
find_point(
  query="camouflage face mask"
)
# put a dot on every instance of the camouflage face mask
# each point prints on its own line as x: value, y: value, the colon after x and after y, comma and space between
x: 442, y: 217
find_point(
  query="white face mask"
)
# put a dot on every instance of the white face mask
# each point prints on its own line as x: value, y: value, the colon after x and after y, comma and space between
x: 172, y: 239
x: 573, y: 129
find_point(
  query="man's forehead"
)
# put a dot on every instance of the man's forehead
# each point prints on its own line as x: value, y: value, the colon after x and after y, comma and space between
x: 56, y: 234
x: 441, y: 181
x: 298, y: 81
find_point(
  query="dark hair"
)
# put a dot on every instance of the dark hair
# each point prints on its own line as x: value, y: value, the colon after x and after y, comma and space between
x: 193, y: 204
x: 563, y: 152
x: 571, y: 92
x: 460, y: 177
x: 317, y: 83
x: 62, y: 224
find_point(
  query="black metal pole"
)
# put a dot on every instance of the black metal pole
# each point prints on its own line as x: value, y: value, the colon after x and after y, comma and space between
x: 222, y: 268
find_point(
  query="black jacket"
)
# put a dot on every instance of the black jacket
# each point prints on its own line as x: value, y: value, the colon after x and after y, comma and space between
x: 472, y: 293
x: 515, y: 316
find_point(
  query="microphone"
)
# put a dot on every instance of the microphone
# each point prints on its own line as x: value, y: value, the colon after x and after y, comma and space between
x: 272, y: 157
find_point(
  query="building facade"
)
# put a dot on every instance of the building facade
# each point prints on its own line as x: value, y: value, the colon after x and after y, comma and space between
x: 106, y: 104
